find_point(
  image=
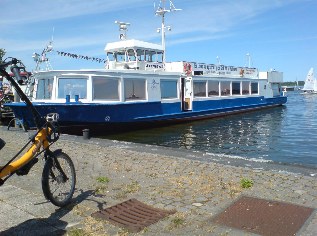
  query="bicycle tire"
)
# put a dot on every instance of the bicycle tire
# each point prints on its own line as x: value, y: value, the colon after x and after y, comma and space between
x: 56, y: 188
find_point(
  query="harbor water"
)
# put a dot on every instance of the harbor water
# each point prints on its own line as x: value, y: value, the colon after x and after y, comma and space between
x: 284, y: 135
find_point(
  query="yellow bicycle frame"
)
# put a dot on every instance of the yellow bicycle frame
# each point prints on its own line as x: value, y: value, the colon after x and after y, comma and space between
x: 40, y: 141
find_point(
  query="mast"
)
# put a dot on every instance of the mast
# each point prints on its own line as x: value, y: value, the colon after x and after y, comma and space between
x: 161, y: 11
x: 123, y: 26
x: 248, y: 60
x: 39, y: 59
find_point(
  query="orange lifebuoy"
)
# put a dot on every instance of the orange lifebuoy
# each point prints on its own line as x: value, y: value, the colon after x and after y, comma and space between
x: 241, y: 72
x: 187, y: 68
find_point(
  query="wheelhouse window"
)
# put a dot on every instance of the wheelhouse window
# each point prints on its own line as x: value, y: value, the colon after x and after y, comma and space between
x: 131, y: 55
x: 254, y: 88
x: 168, y: 89
x: 236, y: 88
x: 72, y: 87
x: 44, y: 88
x: 105, y: 88
x: 225, y: 88
x: 119, y: 56
x: 245, y: 88
x: 134, y: 89
x: 213, y: 88
x: 200, y: 88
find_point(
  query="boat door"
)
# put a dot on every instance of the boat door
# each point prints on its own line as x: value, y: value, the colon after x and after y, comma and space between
x: 187, y: 93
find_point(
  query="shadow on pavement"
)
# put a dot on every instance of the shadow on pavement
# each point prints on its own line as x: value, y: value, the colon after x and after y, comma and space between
x: 53, y: 225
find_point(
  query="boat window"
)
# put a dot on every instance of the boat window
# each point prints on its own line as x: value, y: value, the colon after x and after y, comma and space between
x: 131, y: 55
x: 110, y: 56
x: 120, y: 56
x: 168, y: 89
x: 72, y: 87
x: 159, y: 56
x: 225, y: 88
x: 254, y: 88
x: 236, y: 88
x: 105, y: 88
x: 44, y: 88
x: 149, y: 56
x: 213, y: 88
x: 199, y: 88
x: 140, y: 54
x: 134, y: 89
x: 245, y: 87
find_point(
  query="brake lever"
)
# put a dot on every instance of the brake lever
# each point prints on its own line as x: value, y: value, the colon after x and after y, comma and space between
x: 52, y: 123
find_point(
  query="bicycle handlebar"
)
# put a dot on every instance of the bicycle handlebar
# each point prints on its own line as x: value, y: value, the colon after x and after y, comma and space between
x: 16, y: 72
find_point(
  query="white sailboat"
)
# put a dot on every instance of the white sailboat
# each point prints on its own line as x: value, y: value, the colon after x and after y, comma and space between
x: 310, y: 85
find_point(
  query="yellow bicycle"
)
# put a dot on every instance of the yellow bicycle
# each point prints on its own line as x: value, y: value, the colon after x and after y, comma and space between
x: 58, y: 176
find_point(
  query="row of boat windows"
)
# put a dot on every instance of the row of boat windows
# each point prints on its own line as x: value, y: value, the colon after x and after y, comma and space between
x: 135, y: 55
x: 211, y: 88
x: 224, y: 88
x: 135, y: 89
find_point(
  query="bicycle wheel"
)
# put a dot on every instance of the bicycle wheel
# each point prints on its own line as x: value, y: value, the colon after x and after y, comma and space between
x: 59, y: 179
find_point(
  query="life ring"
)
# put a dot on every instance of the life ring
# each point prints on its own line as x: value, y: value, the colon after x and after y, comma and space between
x: 187, y: 68
x: 241, y: 72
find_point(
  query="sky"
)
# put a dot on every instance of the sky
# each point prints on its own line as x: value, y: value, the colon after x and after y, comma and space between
x: 277, y: 34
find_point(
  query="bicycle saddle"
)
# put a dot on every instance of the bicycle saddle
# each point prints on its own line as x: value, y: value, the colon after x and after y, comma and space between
x: 2, y: 143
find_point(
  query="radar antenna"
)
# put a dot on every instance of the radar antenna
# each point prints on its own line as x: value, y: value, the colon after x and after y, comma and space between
x: 161, y: 11
x: 123, y: 26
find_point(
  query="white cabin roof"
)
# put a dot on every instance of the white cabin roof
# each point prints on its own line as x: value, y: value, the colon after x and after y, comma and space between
x: 132, y: 43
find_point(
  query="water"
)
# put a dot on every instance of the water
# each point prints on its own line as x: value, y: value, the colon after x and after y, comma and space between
x: 286, y: 134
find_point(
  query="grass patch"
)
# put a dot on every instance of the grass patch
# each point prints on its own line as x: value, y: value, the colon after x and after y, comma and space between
x: 77, y: 232
x: 129, y: 188
x: 133, y: 187
x: 103, y: 180
x: 102, y: 185
x: 100, y: 189
x: 177, y: 221
x: 246, y: 183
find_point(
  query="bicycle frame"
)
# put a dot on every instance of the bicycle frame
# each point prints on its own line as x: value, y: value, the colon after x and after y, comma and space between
x: 39, y: 140
x: 58, y: 168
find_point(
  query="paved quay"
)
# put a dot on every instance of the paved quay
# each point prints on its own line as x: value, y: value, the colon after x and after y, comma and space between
x: 111, y: 172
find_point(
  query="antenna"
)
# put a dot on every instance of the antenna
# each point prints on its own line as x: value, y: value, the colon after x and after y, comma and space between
x: 53, y: 34
x: 161, y: 11
x: 123, y: 26
x: 218, y: 60
x: 248, y: 60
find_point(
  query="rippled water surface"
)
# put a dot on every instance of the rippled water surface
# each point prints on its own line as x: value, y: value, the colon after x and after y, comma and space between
x: 286, y: 134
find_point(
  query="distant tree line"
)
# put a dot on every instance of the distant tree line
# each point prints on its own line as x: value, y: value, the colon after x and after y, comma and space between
x: 300, y: 83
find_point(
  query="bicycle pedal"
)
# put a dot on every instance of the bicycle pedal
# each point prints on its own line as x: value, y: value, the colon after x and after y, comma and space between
x: 26, y: 168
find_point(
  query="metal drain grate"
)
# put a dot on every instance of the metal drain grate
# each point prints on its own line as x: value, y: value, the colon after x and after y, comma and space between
x: 264, y: 217
x: 132, y: 215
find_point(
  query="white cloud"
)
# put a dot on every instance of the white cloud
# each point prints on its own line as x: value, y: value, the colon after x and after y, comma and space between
x: 16, y: 12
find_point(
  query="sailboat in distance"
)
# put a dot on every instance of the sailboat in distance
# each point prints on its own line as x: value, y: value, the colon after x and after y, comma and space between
x: 310, y: 85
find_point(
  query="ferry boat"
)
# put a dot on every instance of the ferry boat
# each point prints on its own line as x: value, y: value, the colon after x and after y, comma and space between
x: 138, y: 88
